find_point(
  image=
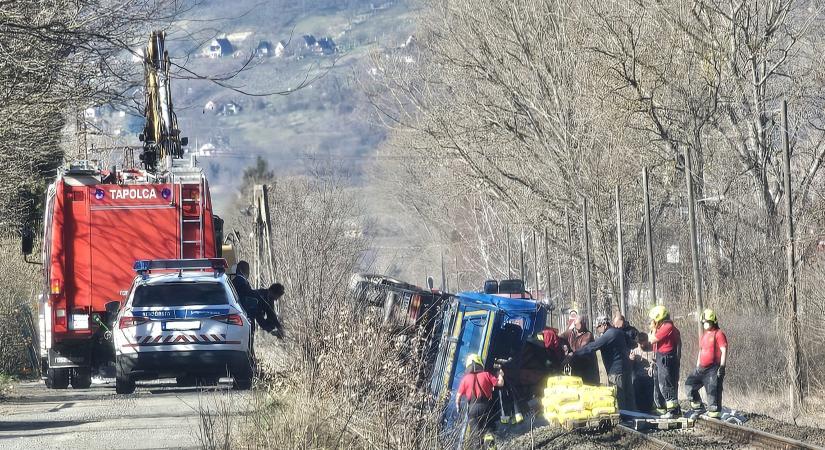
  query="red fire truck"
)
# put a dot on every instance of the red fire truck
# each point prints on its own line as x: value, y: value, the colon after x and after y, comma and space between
x: 99, y: 222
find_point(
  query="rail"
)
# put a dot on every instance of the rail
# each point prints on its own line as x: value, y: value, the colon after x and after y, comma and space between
x: 743, y: 435
x: 755, y: 438
x: 644, y: 441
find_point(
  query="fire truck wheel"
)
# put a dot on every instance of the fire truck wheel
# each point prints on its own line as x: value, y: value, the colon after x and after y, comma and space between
x: 81, y: 378
x: 57, y: 378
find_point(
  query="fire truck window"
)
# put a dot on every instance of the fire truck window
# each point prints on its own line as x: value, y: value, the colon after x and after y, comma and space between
x: 180, y: 294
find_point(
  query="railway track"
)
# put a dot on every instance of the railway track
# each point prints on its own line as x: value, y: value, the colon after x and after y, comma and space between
x: 735, y: 434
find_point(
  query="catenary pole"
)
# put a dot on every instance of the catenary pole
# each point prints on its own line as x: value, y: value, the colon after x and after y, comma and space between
x: 694, y: 239
x: 795, y: 394
x: 587, y: 285
x: 651, y: 268
x: 620, y: 251
x: 573, y: 297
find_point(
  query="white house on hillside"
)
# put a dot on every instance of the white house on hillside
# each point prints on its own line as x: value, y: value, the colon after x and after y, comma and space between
x: 219, y: 47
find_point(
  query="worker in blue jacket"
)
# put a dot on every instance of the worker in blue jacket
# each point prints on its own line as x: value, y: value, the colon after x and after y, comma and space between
x: 613, y: 345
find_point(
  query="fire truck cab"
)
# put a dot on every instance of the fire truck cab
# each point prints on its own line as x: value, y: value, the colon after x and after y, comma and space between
x: 97, y: 224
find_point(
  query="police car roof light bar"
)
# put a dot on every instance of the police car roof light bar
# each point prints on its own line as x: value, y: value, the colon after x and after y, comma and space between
x: 144, y: 266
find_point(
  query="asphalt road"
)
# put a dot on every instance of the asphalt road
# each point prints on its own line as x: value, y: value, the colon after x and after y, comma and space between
x: 157, y: 415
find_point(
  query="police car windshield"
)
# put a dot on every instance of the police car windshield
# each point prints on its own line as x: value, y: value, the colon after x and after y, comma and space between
x: 180, y: 294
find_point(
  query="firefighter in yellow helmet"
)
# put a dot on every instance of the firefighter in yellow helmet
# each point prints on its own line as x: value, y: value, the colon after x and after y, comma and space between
x: 667, y: 346
x: 710, y: 367
x: 476, y: 390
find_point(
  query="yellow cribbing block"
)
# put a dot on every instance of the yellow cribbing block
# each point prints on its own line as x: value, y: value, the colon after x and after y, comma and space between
x: 573, y: 415
x: 562, y: 397
x: 570, y: 407
x: 564, y: 380
x: 608, y: 402
x: 558, y: 390
x: 603, y: 410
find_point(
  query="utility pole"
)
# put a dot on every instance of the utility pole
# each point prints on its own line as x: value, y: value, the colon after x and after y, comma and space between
x: 547, y: 273
x: 620, y: 250
x: 573, y: 302
x: 457, y: 273
x: 651, y: 270
x: 509, y: 267
x: 795, y: 394
x: 694, y: 240
x: 587, y: 286
x: 536, y: 263
x: 521, y: 255
x: 443, y: 273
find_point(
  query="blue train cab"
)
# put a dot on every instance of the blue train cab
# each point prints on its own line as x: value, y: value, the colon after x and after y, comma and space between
x: 494, y: 324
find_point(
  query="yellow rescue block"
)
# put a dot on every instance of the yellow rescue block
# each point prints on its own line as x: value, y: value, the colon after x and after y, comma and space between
x: 564, y: 380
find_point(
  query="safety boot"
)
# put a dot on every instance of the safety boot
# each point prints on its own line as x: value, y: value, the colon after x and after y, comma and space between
x: 518, y: 418
x: 505, y: 419
x: 489, y: 442
x: 697, y: 406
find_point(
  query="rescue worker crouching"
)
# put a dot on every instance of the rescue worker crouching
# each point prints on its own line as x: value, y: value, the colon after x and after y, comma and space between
x: 667, y: 346
x: 613, y: 346
x: 710, y: 367
x: 476, y: 388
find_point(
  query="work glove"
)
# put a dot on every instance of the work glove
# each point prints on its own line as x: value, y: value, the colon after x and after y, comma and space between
x: 720, y: 372
x: 567, y: 359
x: 278, y: 333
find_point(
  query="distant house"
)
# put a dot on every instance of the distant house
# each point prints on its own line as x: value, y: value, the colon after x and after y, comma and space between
x: 219, y: 47
x: 230, y: 109
x: 280, y: 49
x: 210, y: 106
x: 326, y: 46
x: 309, y: 41
x: 264, y: 49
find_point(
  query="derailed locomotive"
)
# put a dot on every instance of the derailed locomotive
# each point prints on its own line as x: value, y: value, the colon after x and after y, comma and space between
x: 495, y: 324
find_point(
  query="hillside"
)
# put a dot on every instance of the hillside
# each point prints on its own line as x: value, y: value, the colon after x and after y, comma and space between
x: 323, y: 124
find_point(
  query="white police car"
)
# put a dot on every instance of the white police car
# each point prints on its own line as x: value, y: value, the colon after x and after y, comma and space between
x: 184, y: 322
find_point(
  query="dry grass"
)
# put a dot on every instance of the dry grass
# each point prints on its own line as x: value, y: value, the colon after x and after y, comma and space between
x: 18, y: 327
x: 340, y: 379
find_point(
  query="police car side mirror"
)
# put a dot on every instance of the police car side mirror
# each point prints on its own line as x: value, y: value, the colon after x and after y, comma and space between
x: 27, y: 241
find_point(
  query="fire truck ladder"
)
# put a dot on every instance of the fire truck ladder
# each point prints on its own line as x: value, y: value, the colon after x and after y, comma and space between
x: 186, y: 179
x: 192, y: 247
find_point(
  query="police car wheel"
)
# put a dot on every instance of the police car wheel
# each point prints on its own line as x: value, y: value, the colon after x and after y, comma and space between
x: 81, y: 378
x: 57, y: 378
x: 124, y: 385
